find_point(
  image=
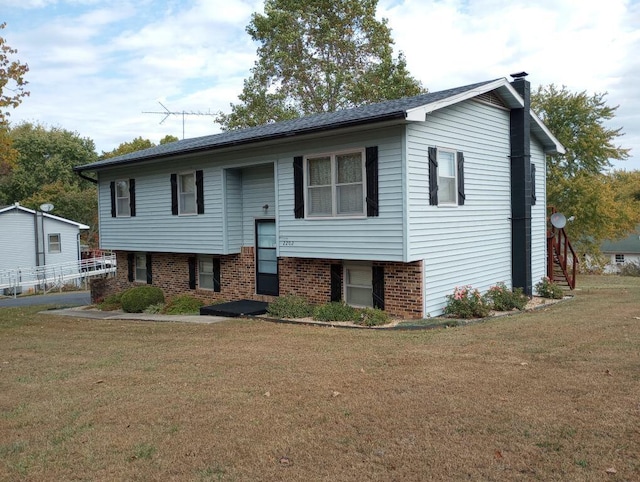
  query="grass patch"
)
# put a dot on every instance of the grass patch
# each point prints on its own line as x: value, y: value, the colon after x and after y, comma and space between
x: 547, y: 395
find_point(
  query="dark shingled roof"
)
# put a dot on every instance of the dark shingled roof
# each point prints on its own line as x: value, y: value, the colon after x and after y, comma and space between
x: 628, y: 245
x: 382, y: 111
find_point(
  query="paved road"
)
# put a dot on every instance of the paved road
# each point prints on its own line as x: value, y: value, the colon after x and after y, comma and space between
x: 74, y: 298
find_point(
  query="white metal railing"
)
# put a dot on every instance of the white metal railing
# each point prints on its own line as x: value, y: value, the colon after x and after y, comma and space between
x: 51, y: 276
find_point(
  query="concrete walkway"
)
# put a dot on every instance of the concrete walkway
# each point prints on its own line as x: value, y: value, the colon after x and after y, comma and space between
x: 83, y: 312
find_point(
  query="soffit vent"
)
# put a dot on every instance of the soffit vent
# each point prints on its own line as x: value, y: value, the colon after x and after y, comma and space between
x: 492, y: 98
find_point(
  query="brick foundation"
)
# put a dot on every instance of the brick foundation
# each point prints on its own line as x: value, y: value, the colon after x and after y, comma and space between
x: 306, y: 277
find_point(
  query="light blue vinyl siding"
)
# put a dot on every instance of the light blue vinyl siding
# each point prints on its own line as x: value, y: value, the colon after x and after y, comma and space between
x: 233, y: 218
x: 470, y: 244
x: 258, y: 189
x: 360, y: 238
x: 539, y: 217
x: 154, y: 228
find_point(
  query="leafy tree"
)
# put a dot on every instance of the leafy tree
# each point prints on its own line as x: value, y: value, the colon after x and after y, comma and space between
x: 72, y: 202
x: 136, y: 144
x: 12, y: 83
x: 45, y: 156
x: 576, y: 182
x: 168, y: 139
x: 578, y: 121
x: 12, y: 91
x: 318, y: 56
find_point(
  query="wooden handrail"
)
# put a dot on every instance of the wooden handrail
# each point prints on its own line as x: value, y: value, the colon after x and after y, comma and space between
x: 558, y: 243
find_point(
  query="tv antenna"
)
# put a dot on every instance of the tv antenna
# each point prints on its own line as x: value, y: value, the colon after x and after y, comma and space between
x: 183, y: 113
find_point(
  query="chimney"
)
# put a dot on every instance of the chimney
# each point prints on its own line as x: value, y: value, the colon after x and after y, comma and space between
x: 520, y: 136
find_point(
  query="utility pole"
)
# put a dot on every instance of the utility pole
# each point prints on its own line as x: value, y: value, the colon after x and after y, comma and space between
x: 183, y: 113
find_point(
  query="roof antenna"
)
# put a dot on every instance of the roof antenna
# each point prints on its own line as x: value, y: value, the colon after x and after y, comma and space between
x: 167, y: 113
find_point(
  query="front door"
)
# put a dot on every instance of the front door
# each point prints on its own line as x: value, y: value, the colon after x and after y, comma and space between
x: 266, y: 259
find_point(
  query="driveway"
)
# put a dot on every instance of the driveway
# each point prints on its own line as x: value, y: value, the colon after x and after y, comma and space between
x: 74, y: 298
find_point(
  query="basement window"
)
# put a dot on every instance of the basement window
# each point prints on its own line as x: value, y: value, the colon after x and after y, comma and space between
x: 358, y: 282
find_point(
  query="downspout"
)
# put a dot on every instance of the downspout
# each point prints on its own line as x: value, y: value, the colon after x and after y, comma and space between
x: 87, y: 178
x: 520, y: 136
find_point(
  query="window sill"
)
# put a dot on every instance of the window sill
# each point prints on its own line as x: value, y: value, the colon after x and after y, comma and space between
x: 324, y: 218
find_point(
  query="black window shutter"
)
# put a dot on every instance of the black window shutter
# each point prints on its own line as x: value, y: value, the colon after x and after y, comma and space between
x: 216, y: 274
x: 149, y: 273
x: 132, y: 196
x: 131, y: 266
x: 200, y: 192
x: 533, y: 185
x: 298, y: 187
x: 371, y: 166
x: 192, y: 272
x: 377, y: 275
x: 174, y: 194
x: 336, y: 282
x: 112, y: 186
x: 433, y: 176
x: 461, y: 196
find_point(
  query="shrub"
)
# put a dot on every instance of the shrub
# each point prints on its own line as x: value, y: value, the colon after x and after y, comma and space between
x: 335, y: 311
x: 630, y: 268
x: 466, y: 302
x: 501, y: 298
x: 548, y: 289
x: 154, y: 309
x: 290, y: 306
x: 372, y: 317
x: 139, y: 298
x: 111, y: 303
x: 183, y: 305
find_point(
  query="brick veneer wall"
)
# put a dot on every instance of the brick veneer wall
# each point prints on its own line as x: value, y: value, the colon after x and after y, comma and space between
x: 311, y: 279
x: 306, y: 277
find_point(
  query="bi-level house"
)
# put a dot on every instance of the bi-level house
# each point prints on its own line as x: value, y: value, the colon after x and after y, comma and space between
x: 389, y: 205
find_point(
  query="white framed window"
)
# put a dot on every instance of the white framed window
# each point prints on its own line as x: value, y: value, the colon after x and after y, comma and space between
x: 55, y: 244
x: 141, y: 267
x: 335, y: 184
x: 447, y: 177
x: 123, y: 200
x: 358, y: 285
x: 620, y: 258
x: 187, y: 193
x: 205, y: 273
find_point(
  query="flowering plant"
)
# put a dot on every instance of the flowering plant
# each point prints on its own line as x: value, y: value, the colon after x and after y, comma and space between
x: 502, y: 298
x: 548, y: 289
x: 466, y: 302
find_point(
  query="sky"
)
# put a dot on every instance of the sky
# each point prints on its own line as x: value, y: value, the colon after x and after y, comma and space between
x: 99, y: 67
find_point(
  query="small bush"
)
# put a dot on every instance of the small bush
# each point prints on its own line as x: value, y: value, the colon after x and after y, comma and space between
x: 335, y: 311
x: 139, y: 298
x: 154, y: 309
x: 501, y: 298
x: 290, y: 306
x: 183, y: 305
x: 630, y: 268
x: 548, y: 289
x: 466, y: 302
x: 372, y: 317
x: 111, y: 303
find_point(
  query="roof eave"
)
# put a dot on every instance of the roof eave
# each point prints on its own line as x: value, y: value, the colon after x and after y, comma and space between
x: 398, y: 115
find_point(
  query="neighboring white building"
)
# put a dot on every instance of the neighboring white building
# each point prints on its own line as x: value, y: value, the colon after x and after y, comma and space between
x: 618, y: 253
x: 31, y: 238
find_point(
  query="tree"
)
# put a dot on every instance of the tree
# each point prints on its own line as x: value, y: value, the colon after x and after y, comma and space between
x: 12, y: 91
x: 12, y: 83
x: 576, y: 182
x: 168, y: 139
x: 45, y: 156
x: 136, y: 144
x: 318, y: 56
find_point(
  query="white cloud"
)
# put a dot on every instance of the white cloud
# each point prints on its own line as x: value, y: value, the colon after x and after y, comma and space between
x: 96, y: 65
